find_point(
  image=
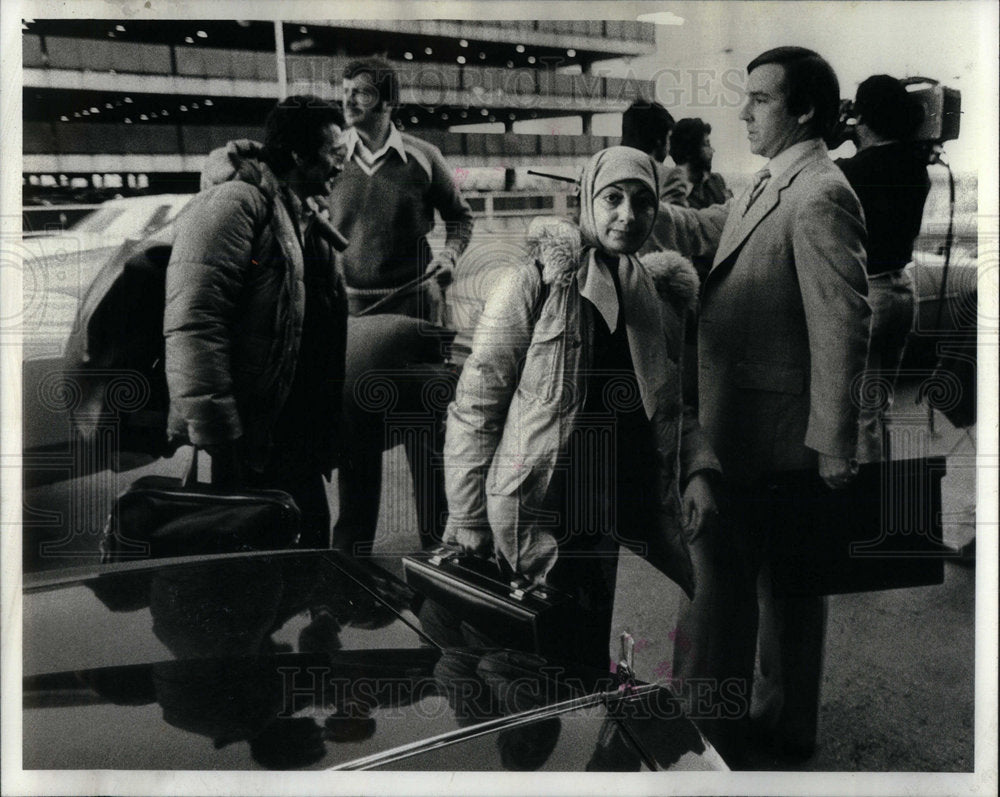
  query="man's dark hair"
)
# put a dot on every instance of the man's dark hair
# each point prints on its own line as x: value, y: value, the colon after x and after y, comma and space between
x: 810, y: 82
x: 296, y: 124
x: 884, y: 104
x: 382, y: 73
x: 687, y: 138
x: 645, y: 124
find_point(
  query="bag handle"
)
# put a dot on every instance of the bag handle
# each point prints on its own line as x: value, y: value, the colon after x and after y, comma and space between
x: 191, y: 476
x: 519, y: 586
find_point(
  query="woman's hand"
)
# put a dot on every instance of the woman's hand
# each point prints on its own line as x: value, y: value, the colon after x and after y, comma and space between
x: 472, y: 540
x: 698, y: 505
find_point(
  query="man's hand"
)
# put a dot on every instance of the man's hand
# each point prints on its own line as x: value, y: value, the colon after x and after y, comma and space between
x: 446, y: 263
x: 476, y: 541
x: 837, y: 472
x: 698, y: 506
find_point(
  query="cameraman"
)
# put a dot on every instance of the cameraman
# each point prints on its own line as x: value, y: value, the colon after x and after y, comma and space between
x: 889, y: 175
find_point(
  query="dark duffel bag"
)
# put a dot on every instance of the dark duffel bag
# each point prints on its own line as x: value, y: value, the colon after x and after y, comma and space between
x: 159, y: 517
x: 477, y: 591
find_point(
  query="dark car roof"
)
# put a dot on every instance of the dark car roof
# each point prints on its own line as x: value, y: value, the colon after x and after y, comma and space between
x: 304, y: 660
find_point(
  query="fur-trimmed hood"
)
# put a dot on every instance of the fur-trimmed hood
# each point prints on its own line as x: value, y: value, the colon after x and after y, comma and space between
x: 556, y: 243
x: 242, y: 160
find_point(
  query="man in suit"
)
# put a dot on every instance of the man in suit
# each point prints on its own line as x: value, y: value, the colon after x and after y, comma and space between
x: 782, y: 336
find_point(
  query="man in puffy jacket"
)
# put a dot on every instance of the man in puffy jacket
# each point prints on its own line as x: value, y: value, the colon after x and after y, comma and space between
x: 255, y: 317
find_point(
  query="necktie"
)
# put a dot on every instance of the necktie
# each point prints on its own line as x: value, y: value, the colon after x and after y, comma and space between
x: 759, y: 184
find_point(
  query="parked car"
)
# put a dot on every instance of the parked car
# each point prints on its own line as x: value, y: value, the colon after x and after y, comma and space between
x: 58, y: 268
x: 309, y: 660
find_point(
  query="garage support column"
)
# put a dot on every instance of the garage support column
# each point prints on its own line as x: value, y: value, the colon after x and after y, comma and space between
x: 509, y: 174
x: 279, y: 54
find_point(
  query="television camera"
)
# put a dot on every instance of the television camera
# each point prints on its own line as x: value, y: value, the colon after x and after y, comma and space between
x: 940, y: 116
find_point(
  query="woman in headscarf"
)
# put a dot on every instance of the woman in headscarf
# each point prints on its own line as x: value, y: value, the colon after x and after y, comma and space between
x: 568, y: 436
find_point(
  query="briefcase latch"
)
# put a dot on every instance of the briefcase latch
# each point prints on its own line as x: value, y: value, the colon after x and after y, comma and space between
x: 520, y: 589
x: 442, y: 555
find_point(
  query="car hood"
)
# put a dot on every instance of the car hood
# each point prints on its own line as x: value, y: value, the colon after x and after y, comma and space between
x: 307, y: 661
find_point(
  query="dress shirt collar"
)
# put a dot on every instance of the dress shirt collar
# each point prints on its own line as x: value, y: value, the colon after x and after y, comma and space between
x: 354, y: 144
x: 781, y: 162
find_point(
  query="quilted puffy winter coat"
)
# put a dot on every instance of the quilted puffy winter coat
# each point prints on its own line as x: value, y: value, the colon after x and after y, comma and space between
x: 235, y: 304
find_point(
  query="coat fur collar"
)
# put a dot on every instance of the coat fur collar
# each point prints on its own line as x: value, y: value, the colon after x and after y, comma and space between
x: 557, y: 245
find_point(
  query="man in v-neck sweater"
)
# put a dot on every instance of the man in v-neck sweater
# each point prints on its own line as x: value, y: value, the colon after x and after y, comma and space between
x: 392, y: 185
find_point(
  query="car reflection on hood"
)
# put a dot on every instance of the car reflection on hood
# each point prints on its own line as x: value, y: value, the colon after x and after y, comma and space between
x: 309, y: 660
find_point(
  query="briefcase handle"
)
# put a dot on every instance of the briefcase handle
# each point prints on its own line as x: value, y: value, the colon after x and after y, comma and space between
x: 190, y: 477
x: 520, y: 587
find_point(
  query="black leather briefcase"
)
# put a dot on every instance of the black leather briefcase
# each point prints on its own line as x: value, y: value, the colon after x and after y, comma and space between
x: 881, y: 532
x: 480, y: 592
x: 159, y: 516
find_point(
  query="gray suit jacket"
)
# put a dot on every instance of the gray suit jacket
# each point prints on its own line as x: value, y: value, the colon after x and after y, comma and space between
x: 784, y: 324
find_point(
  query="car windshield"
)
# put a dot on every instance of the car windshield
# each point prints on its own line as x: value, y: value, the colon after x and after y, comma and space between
x: 99, y: 220
x: 128, y: 218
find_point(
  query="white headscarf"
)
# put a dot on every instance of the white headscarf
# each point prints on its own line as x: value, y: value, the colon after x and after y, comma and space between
x: 612, y: 165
